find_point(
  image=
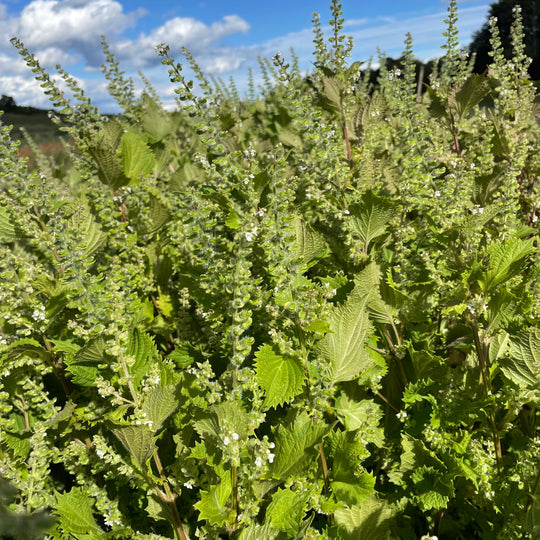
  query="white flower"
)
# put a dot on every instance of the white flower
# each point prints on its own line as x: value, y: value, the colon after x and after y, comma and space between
x: 271, y: 457
x: 226, y: 441
x: 258, y: 462
x: 401, y: 415
x: 437, y: 193
x: 235, y: 436
x: 251, y: 234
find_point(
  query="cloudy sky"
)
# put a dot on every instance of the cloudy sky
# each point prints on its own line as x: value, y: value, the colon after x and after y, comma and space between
x: 225, y: 36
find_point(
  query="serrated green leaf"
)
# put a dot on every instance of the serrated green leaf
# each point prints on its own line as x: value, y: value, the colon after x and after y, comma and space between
x: 18, y: 443
x: 137, y: 158
x: 138, y: 440
x: 159, y: 214
x: 27, y: 347
x: 522, y: 363
x: 353, y: 489
x: 75, y: 512
x: 372, y: 520
x: 91, y: 235
x: 159, y: 403
x: 7, y: 229
x: 357, y: 414
x: 142, y: 347
x: 164, y: 304
x: 432, y: 491
x: 468, y: 94
x: 155, y: 121
x: 83, y: 366
x: 213, y: 504
x: 289, y: 138
x: 370, y: 218
x: 295, y: 443
x: 286, y: 511
x: 280, y: 377
x: 506, y: 261
x: 310, y: 246
x: 102, y: 149
x: 224, y: 417
x: 333, y: 90
x: 344, y: 346
x: 158, y: 510
x: 259, y: 532
x: 367, y: 285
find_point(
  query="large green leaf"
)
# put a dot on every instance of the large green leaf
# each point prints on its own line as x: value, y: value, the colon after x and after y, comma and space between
x: 222, y: 419
x: 280, y: 377
x: 468, y: 94
x: 344, y: 346
x: 76, y: 516
x: 137, y: 158
x: 91, y: 235
x: 287, y: 509
x: 357, y: 414
x: 103, y: 149
x: 155, y: 121
x: 372, y: 520
x: 138, y: 440
x: 310, y: 245
x: 353, y: 489
x: 295, y: 443
x: 370, y: 218
x: 259, y: 532
x: 159, y: 403
x: 159, y: 214
x: 142, y: 348
x: 83, y: 366
x: 522, y: 363
x: 367, y: 285
x: 506, y: 260
x: 213, y: 504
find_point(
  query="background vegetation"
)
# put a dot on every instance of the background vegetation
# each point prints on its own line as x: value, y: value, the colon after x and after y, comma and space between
x: 310, y: 313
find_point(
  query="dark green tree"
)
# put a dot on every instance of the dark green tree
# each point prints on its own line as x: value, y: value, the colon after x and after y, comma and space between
x: 503, y: 10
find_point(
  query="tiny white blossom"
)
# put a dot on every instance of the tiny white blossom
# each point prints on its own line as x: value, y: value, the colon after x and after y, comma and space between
x: 226, y: 441
x: 250, y: 235
x: 258, y: 462
x: 235, y: 436
x: 271, y: 457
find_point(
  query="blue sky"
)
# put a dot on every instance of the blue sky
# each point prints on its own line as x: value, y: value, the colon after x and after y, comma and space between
x: 225, y: 36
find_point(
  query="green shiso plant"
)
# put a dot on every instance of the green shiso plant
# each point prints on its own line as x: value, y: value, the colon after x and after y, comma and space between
x: 312, y: 312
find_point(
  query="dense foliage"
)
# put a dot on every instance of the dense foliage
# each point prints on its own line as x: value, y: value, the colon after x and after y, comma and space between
x: 310, y: 313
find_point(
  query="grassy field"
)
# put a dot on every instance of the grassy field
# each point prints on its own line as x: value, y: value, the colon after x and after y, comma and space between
x: 35, y: 121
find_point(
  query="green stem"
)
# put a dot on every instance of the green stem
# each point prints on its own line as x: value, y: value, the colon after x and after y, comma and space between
x: 170, y: 499
x: 482, y: 351
x: 235, y: 497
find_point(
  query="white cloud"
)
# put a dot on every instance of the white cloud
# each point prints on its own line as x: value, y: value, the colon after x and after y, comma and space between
x: 180, y: 32
x: 73, y: 25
